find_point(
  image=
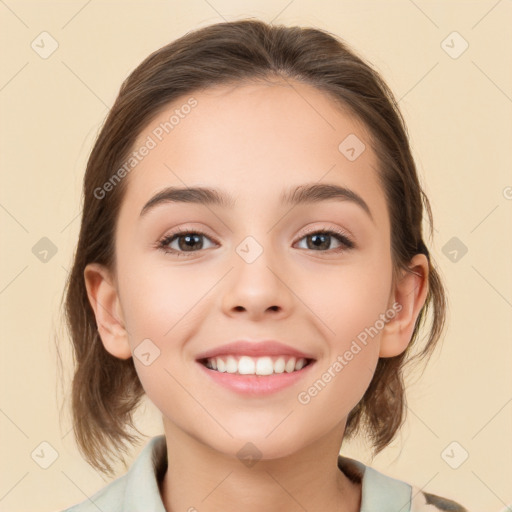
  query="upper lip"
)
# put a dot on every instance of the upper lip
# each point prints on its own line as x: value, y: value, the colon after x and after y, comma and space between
x: 255, y: 349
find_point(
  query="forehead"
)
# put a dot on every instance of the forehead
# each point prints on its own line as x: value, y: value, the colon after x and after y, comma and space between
x: 252, y: 140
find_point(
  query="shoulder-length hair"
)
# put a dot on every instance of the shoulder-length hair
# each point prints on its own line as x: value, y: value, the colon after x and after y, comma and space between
x: 106, y: 390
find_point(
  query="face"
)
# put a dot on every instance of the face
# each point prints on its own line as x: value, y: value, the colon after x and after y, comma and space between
x: 256, y: 268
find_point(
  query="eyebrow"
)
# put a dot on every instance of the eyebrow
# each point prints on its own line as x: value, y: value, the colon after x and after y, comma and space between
x: 303, y: 194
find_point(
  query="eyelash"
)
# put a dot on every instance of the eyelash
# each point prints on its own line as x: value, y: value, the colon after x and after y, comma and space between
x: 163, y: 243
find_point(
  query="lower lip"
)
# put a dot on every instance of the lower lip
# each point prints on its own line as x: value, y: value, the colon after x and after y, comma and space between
x: 256, y: 384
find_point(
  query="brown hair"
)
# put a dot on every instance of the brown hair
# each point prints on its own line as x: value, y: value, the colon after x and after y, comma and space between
x: 106, y: 390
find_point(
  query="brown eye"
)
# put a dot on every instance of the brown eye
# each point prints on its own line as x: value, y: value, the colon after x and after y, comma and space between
x: 184, y: 242
x: 323, y: 239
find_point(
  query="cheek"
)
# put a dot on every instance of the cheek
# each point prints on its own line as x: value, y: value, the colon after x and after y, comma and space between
x: 157, y: 302
x: 354, y: 311
x: 339, y: 386
x: 348, y: 300
x: 341, y: 380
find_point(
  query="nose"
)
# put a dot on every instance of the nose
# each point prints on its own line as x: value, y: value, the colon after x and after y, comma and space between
x: 258, y: 288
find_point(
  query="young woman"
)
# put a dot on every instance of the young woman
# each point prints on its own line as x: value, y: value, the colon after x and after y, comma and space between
x: 251, y: 258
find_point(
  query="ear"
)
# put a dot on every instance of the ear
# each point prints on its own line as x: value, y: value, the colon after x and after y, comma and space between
x: 408, y: 295
x: 104, y: 299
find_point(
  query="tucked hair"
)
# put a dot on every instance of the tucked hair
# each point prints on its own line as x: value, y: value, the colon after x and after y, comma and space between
x: 106, y: 390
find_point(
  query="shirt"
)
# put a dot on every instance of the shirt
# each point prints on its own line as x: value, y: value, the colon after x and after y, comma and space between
x: 138, y: 489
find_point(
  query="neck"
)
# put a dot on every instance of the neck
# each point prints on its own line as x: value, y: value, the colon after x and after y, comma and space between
x: 200, y: 478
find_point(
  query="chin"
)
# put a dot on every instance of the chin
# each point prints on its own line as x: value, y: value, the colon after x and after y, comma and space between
x: 247, y: 446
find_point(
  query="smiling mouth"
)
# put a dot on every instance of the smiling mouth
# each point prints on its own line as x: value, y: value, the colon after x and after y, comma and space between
x: 247, y: 365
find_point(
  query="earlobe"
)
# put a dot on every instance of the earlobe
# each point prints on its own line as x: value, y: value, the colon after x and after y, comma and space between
x: 104, y: 300
x: 409, y: 294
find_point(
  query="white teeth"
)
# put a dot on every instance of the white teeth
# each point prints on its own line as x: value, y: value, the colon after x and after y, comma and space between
x: 231, y: 365
x: 290, y: 365
x: 279, y: 365
x: 264, y: 366
x: 246, y: 365
x: 221, y: 367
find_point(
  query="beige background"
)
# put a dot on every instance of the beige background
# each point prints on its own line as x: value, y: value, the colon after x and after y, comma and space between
x: 458, y: 112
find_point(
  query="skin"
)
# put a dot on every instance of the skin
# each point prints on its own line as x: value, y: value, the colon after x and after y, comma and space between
x: 254, y: 141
